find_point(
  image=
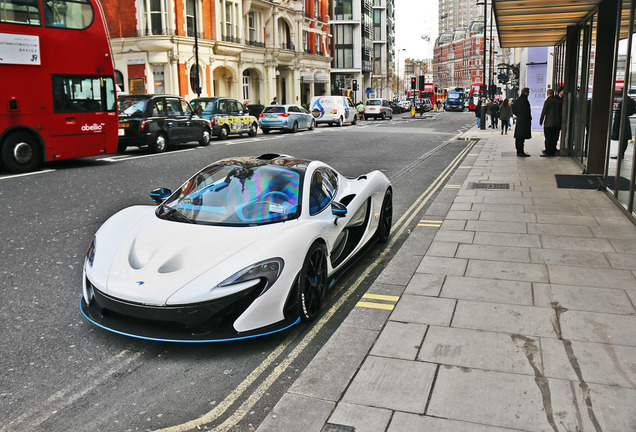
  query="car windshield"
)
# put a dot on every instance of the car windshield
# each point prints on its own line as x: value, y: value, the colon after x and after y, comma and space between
x: 200, y: 106
x: 274, y: 109
x: 132, y: 106
x: 455, y: 95
x: 374, y: 102
x: 238, y: 193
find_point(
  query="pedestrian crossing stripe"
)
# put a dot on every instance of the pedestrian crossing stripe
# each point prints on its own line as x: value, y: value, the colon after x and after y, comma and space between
x: 381, y: 297
x: 453, y: 187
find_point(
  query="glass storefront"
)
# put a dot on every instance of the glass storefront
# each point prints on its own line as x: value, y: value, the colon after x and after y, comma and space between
x: 620, y: 163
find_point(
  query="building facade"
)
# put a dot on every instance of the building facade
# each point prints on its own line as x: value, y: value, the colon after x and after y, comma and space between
x: 253, y: 50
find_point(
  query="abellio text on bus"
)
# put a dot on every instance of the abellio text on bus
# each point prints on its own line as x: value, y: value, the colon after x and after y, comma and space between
x: 57, y: 93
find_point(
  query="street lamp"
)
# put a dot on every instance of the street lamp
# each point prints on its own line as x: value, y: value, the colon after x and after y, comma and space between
x: 483, y: 75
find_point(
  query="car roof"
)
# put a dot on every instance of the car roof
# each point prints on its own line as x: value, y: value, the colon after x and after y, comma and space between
x: 146, y: 96
x: 267, y: 159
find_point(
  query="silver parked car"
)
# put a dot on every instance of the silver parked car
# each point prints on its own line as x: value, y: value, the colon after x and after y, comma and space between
x: 378, y: 109
x: 286, y: 117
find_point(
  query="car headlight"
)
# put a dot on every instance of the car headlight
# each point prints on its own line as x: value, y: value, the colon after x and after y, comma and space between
x: 90, y: 254
x: 269, y: 270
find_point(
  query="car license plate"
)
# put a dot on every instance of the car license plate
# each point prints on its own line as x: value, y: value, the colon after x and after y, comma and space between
x: 272, y: 118
x: 122, y: 132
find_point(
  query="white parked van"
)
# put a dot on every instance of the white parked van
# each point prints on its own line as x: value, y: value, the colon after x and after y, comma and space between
x: 335, y: 110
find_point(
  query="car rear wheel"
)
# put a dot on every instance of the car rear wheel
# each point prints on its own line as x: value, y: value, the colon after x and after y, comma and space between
x: 386, y: 217
x: 312, y: 125
x: 205, y: 138
x: 312, y: 282
x: 265, y: 131
x: 355, y: 119
x: 160, y: 144
x: 339, y: 124
x: 253, y: 130
x: 383, y: 116
x: 21, y: 153
x: 223, y: 133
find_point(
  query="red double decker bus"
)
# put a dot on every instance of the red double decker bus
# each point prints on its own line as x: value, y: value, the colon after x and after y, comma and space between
x: 476, y: 91
x: 57, y: 92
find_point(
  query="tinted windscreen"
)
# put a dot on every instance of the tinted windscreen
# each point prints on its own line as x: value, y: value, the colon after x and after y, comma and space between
x: 374, y: 102
x: 242, y: 194
x: 275, y: 109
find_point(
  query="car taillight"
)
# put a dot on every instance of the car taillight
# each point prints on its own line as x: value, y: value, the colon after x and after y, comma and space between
x: 335, y: 111
x: 212, y: 119
x: 142, y: 127
x: 283, y: 115
x: 261, y: 115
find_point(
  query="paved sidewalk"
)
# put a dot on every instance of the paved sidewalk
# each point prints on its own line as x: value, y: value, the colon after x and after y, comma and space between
x: 516, y: 312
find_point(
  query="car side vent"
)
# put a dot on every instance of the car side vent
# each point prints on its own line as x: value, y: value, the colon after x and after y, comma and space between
x: 362, y: 177
x: 268, y: 156
x: 347, y: 199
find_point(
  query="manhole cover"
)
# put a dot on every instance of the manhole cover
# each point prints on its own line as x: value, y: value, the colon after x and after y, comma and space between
x: 491, y: 186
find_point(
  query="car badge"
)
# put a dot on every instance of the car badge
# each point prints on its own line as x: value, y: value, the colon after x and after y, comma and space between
x: 139, y: 283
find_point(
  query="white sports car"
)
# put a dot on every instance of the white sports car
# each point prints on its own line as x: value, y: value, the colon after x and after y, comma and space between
x: 245, y: 247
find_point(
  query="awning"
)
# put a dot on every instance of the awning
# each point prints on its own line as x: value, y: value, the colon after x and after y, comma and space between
x: 526, y: 23
x: 321, y: 77
x: 306, y: 77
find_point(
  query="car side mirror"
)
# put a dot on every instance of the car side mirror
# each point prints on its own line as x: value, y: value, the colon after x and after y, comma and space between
x: 338, y: 210
x: 159, y: 195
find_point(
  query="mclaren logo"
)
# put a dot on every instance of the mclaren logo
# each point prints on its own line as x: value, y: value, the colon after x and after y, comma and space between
x: 139, y: 283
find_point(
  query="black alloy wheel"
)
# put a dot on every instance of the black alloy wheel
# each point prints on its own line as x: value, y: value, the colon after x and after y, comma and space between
x: 312, y: 282
x: 386, y: 217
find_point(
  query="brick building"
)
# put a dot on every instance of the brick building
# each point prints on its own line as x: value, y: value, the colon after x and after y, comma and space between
x: 458, y: 57
x: 249, y: 49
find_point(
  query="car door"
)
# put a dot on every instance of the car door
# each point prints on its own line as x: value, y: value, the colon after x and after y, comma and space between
x: 192, y: 128
x: 176, y: 121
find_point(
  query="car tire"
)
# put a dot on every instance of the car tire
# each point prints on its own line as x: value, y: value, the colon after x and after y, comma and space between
x: 312, y: 282
x: 21, y: 153
x: 160, y: 144
x: 366, y: 117
x: 355, y: 120
x: 383, y: 116
x: 223, y: 133
x: 253, y: 130
x: 386, y: 217
x: 339, y: 123
x: 294, y: 128
x: 205, y: 138
x: 312, y: 125
x: 265, y: 131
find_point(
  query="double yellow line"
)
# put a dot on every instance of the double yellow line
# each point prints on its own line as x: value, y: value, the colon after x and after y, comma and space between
x: 255, y: 395
x: 389, y: 305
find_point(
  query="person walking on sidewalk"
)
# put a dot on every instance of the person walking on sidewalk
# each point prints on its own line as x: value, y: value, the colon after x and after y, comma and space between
x: 505, y: 112
x: 478, y: 112
x: 551, y: 121
x: 524, y: 122
x: 494, y: 114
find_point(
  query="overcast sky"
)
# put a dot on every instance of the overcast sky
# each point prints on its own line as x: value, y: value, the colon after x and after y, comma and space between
x: 414, y: 18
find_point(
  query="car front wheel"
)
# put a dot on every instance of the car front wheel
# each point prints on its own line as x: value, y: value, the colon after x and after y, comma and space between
x: 205, y: 138
x: 386, y: 217
x: 312, y: 282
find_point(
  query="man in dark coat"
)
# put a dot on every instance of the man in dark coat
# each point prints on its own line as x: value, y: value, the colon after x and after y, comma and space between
x: 524, y: 122
x: 551, y: 121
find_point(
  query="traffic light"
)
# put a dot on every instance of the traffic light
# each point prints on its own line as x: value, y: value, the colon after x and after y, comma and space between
x: 354, y: 85
x: 413, y: 83
x: 421, y: 88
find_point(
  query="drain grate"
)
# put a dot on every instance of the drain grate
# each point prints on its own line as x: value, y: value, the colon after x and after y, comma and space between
x: 491, y: 186
x: 330, y: 427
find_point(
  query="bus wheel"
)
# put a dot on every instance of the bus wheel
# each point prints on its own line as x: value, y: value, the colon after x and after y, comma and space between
x: 21, y: 153
x: 160, y: 144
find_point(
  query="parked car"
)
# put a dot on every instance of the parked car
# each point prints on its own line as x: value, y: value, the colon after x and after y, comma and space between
x: 377, y: 109
x: 226, y: 115
x: 334, y: 110
x: 247, y: 246
x: 396, y: 107
x: 285, y: 117
x: 158, y: 121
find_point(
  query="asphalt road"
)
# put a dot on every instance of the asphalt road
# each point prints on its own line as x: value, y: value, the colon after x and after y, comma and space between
x: 58, y: 372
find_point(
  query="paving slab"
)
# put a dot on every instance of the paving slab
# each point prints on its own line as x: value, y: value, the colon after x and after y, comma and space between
x: 507, y: 216
x: 425, y: 284
x: 393, y: 384
x: 506, y: 239
x: 442, y: 249
x: 577, y: 258
x: 586, y: 276
x: 503, y: 400
x: 507, y: 270
x: 403, y: 422
x: 476, y: 349
x: 493, y: 253
x: 488, y: 290
x: 591, y: 299
x: 442, y: 266
x: 599, y: 327
x: 423, y: 310
x: 497, y: 227
x: 575, y: 243
x: 360, y: 417
x: 400, y: 340
x: 297, y: 413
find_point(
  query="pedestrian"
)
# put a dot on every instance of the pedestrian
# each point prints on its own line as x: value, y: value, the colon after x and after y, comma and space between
x: 505, y: 112
x: 494, y: 114
x: 360, y: 109
x: 478, y: 112
x: 274, y: 101
x: 630, y: 106
x: 551, y: 121
x: 488, y: 105
x: 524, y: 122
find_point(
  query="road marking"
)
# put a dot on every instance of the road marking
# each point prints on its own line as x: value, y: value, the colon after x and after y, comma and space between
x: 375, y: 305
x: 453, y: 186
x: 26, y: 174
x: 127, y: 158
x: 381, y: 297
x: 465, y: 167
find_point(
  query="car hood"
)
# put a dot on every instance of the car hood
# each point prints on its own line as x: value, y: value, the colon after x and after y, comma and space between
x: 156, y: 257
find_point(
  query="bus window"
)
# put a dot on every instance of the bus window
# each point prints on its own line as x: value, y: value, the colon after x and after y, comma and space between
x: 20, y: 12
x: 83, y: 94
x: 70, y: 14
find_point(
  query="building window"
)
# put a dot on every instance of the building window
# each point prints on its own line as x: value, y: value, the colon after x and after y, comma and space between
x: 316, y: 9
x: 195, y: 79
x: 158, y: 76
x: 155, y: 17
x: 318, y: 44
x: 230, y: 20
x: 343, y: 10
x: 119, y: 81
x: 190, y: 16
x: 246, y: 84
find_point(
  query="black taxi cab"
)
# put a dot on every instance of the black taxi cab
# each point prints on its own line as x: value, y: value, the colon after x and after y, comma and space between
x: 226, y: 115
x: 158, y: 121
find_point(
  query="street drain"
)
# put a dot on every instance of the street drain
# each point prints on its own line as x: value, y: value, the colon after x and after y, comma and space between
x: 491, y: 186
x: 329, y: 427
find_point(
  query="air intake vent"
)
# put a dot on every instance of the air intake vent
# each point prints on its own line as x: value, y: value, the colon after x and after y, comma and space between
x: 491, y: 186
